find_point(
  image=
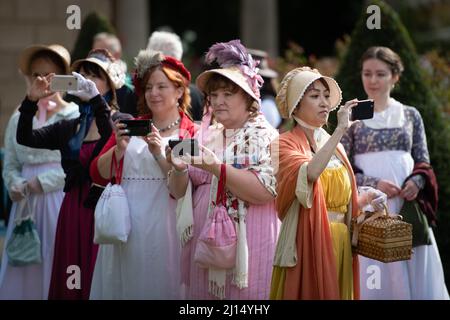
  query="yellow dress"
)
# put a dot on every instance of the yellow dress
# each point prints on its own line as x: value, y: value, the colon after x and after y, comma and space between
x: 337, y: 191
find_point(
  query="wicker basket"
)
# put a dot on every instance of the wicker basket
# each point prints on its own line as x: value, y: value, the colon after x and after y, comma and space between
x: 381, y: 237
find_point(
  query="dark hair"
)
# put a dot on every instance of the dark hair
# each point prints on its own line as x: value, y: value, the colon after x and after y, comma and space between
x: 49, y: 56
x: 217, y: 81
x: 322, y: 81
x: 96, y: 70
x: 386, y: 55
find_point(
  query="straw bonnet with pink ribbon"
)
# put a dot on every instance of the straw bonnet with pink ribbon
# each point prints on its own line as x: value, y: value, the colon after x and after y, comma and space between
x: 294, y: 85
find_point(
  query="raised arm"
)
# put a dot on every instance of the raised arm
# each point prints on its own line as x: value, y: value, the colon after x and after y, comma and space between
x: 320, y: 160
x: 51, y: 137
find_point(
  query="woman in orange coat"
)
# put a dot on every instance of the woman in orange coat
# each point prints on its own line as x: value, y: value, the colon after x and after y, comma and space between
x: 317, y: 194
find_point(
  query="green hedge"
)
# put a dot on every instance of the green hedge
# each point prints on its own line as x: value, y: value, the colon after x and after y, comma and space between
x: 92, y: 24
x: 413, y: 89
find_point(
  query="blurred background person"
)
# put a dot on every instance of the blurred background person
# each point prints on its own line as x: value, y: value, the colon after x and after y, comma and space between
x: 268, y: 90
x: 36, y: 176
x: 170, y: 44
x: 126, y: 98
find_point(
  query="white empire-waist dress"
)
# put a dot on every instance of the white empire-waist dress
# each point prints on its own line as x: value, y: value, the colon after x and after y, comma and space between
x: 148, y: 265
x: 387, y: 147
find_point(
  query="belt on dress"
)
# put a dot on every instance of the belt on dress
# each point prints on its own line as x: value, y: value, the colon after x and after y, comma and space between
x: 144, y: 178
x: 334, y: 216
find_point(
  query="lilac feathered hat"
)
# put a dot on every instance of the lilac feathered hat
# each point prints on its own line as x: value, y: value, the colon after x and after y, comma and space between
x: 235, y: 64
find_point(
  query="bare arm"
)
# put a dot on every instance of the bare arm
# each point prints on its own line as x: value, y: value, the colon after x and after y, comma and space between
x: 245, y: 185
x: 320, y: 160
x: 242, y: 183
x: 323, y: 156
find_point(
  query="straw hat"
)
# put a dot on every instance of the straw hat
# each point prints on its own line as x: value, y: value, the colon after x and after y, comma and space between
x: 28, y: 53
x: 232, y: 73
x: 103, y: 59
x: 294, y: 85
x: 236, y: 64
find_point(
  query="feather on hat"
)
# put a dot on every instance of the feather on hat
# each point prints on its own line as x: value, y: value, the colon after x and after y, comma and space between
x: 235, y: 64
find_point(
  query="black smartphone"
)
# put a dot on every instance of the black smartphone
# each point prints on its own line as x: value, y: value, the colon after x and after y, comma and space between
x: 138, y: 127
x: 364, y: 110
x: 183, y: 146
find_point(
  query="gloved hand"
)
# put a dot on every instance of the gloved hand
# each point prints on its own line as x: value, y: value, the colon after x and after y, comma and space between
x: 86, y: 88
x: 18, y: 192
x: 371, y: 199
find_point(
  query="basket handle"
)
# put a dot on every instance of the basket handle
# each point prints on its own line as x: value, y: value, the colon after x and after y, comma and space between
x: 362, y: 219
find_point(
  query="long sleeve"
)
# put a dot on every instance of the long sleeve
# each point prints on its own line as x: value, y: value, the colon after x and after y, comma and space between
x: 12, y: 168
x: 53, y: 137
x: 348, y: 143
x: 419, y: 150
x: 102, y: 114
x: 52, y: 180
x: 419, y: 147
x: 104, y: 123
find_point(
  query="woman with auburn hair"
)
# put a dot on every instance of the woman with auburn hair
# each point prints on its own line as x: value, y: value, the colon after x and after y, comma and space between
x: 147, y: 265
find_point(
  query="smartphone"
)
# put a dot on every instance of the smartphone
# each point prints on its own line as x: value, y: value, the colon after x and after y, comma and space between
x: 364, y: 110
x: 183, y: 146
x: 64, y: 83
x: 137, y: 127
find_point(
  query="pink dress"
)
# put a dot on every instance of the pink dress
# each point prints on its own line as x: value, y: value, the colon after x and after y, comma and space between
x: 262, y: 232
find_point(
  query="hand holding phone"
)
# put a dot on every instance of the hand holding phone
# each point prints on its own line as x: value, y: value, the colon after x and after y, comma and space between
x: 64, y: 83
x: 137, y: 127
x: 363, y: 110
x: 40, y: 87
x: 182, y: 146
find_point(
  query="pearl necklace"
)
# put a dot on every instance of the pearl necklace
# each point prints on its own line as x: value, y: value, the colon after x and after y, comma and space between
x: 170, y: 126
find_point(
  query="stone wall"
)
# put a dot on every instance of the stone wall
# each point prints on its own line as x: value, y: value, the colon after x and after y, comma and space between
x: 27, y: 22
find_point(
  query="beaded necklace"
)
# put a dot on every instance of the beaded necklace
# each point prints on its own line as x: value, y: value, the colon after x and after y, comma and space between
x: 170, y: 126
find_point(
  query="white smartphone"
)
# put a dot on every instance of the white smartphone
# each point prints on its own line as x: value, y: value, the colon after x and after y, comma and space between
x: 64, y: 83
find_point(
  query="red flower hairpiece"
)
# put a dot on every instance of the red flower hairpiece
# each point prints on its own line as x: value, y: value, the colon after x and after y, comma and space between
x: 178, y: 66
